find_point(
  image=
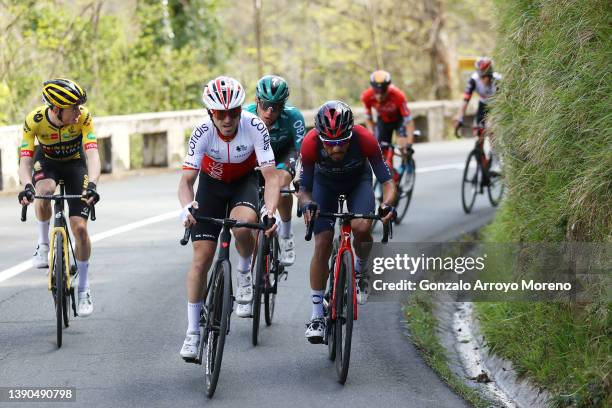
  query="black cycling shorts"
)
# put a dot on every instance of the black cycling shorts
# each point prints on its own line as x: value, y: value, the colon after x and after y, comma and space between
x: 481, y: 114
x: 217, y: 198
x: 359, y: 198
x: 285, y: 159
x: 74, y: 174
x: 384, y: 130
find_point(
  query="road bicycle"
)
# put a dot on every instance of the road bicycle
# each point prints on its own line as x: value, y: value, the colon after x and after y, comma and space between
x: 62, y: 271
x: 481, y: 171
x: 340, y: 299
x: 215, y: 315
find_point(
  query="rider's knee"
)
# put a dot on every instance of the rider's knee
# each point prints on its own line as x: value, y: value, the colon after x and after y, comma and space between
x: 361, y: 229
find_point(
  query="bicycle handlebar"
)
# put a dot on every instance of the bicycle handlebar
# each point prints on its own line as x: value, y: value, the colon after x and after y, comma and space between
x: 24, y: 208
x: 223, y: 221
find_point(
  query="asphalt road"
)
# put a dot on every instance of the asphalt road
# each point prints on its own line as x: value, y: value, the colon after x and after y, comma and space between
x: 126, y: 353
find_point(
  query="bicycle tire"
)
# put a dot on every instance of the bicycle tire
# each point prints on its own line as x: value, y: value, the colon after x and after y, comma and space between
x: 219, y: 313
x: 405, y: 187
x: 330, y: 327
x: 495, y: 188
x: 271, y: 283
x: 345, y: 302
x: 58, y: 275
x: 375, y: 187
x: 261, y: 267
x: 470, y: 182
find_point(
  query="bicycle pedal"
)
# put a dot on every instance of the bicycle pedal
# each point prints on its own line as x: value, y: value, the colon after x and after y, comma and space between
x: 191, y: 360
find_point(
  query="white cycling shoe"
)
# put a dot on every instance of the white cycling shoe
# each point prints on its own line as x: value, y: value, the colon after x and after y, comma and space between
x: 191, y: 345
x: 315, y: 330
x: 244, y: 310
x: 41, y: 256
x: 287, y: 250
x: 85, y: 307
x: 245, y: 288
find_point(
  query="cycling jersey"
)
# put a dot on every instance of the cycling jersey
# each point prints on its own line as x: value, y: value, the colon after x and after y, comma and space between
x: 363, y: 148
x: 391, y: 109
x: 287, y: 131
x: 229, y: 160
x: 485, y: 92
x: 57, y: 143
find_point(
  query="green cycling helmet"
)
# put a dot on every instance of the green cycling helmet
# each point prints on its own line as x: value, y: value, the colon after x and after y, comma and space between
x: 273, y: 89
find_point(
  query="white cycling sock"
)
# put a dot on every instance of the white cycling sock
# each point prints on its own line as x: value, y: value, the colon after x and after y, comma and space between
x: 43, y: 232
x: 317, y: 303
x: 193, y: 316
x: 83, y: 268
x: 244, y: 264
x: 285, y: 229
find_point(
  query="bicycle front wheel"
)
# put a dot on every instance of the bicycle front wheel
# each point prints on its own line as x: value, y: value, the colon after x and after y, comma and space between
x: 470, y: 182
x: 405, y: 187
x: 271, y: 281
x: 58, y: 278
x: 262, y: 265
x: 495, y: 188
x: 345, y: 303
x: 218, y: 317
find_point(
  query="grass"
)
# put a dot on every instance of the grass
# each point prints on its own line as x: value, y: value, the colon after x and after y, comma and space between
x: 553, y: 126
x: 423, y: 326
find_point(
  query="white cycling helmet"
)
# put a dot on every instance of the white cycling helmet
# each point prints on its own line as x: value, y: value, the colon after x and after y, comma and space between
x: 223, y: 93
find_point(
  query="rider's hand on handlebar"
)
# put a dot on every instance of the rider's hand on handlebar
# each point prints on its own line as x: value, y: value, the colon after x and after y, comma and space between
x: 186, y: 217
x: 274, y: 217
x: 27, y: 195
x: 90, y: 194
x: 387, y: 212
x: 308, y: 211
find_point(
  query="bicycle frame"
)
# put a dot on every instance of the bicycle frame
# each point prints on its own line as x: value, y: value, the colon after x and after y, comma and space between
x: 60, y: 227
x: 345, y: 245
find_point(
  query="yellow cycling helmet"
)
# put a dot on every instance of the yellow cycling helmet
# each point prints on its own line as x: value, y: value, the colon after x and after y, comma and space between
x: 63, y: 93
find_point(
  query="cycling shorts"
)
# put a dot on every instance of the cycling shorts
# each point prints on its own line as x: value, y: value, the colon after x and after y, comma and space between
x: 359, y: 194
x: 217, y: 198
x: 384, y: 130
x: 74, y: 175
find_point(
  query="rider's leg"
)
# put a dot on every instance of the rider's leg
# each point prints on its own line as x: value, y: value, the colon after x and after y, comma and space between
x: 285, y: 204
x: 43, y: 208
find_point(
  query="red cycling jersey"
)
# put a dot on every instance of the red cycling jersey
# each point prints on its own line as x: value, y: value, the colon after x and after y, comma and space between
x: 391, y: 109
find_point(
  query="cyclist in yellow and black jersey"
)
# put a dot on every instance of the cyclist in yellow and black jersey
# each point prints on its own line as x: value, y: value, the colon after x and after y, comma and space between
x: 67, y: 151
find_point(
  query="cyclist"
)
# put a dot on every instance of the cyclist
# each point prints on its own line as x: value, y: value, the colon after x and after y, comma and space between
x: 285, y: 124
x: 68, y: 151
x: 338, y: 158
x: 484, y: 81
x: 392, y: 110
x: 224, y: 150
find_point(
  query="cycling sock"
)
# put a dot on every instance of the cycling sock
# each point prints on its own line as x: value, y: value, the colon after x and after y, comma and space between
x: 285, y: 229
x: 43, y: 232
x: 244, y: 264
x: 317, y: 303
x: 83, y: 268
x: 193, y: 316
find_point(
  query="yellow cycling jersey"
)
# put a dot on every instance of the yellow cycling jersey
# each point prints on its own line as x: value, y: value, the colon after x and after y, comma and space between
x: 63, y: 143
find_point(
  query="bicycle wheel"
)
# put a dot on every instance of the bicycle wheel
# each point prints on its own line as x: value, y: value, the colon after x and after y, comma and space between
x: 495, y: 189
x: 377, y: 188
x: 330, y: 327
x: 470, y: 182
x: 345, y: 302
x: 58, y: 277
x: 405, y: 187
x: 218, y: 315
x: 261, y: 269
x: 271, y: 282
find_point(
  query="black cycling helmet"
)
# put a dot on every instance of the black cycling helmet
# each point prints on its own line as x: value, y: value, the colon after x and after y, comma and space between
x: 380, y: 80
x: 63, y: 93
x: 334, y: 120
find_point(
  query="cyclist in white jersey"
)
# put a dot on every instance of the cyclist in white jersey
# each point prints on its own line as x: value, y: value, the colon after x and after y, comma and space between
x: 224, y: 150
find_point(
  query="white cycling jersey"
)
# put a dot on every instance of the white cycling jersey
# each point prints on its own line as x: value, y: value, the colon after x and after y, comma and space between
x: 232, y: 160
x: 485, y: 92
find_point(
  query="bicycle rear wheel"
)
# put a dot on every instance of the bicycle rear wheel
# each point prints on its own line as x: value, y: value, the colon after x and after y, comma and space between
x: 405, y: 187
x: 262, y: 265
x: 495, y: 188
x: 470, y: 182
x: 218, y: 315
x: 377, y: 188
x: 58, y: 278
x: 345, y: 302
x: 271, y: 282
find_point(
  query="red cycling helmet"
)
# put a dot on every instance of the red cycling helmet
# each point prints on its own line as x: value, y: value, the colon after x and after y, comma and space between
x: 334, y: 121
x: 484, y: 66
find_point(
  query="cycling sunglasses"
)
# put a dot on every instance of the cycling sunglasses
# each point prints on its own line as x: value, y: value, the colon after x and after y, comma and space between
x: 265, y: 105
x: 337, y: 142
x: 221, y: 114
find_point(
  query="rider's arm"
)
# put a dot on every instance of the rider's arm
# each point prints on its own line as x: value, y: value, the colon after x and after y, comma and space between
x: 265, y: 159
x: 27, y: 150
x: 308, y: 155
x: 272, y: 190
x: 467, y: 95
x: 368, y: 111
x: 407, y: 128
x: 90, y: 144
x: 185, y: 189
x: 371, y: 150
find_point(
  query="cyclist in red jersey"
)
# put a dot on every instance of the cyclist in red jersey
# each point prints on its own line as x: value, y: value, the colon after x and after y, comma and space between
x: 392, y: 110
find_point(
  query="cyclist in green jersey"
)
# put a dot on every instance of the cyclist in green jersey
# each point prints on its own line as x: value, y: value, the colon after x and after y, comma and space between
x: 285, y: 124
